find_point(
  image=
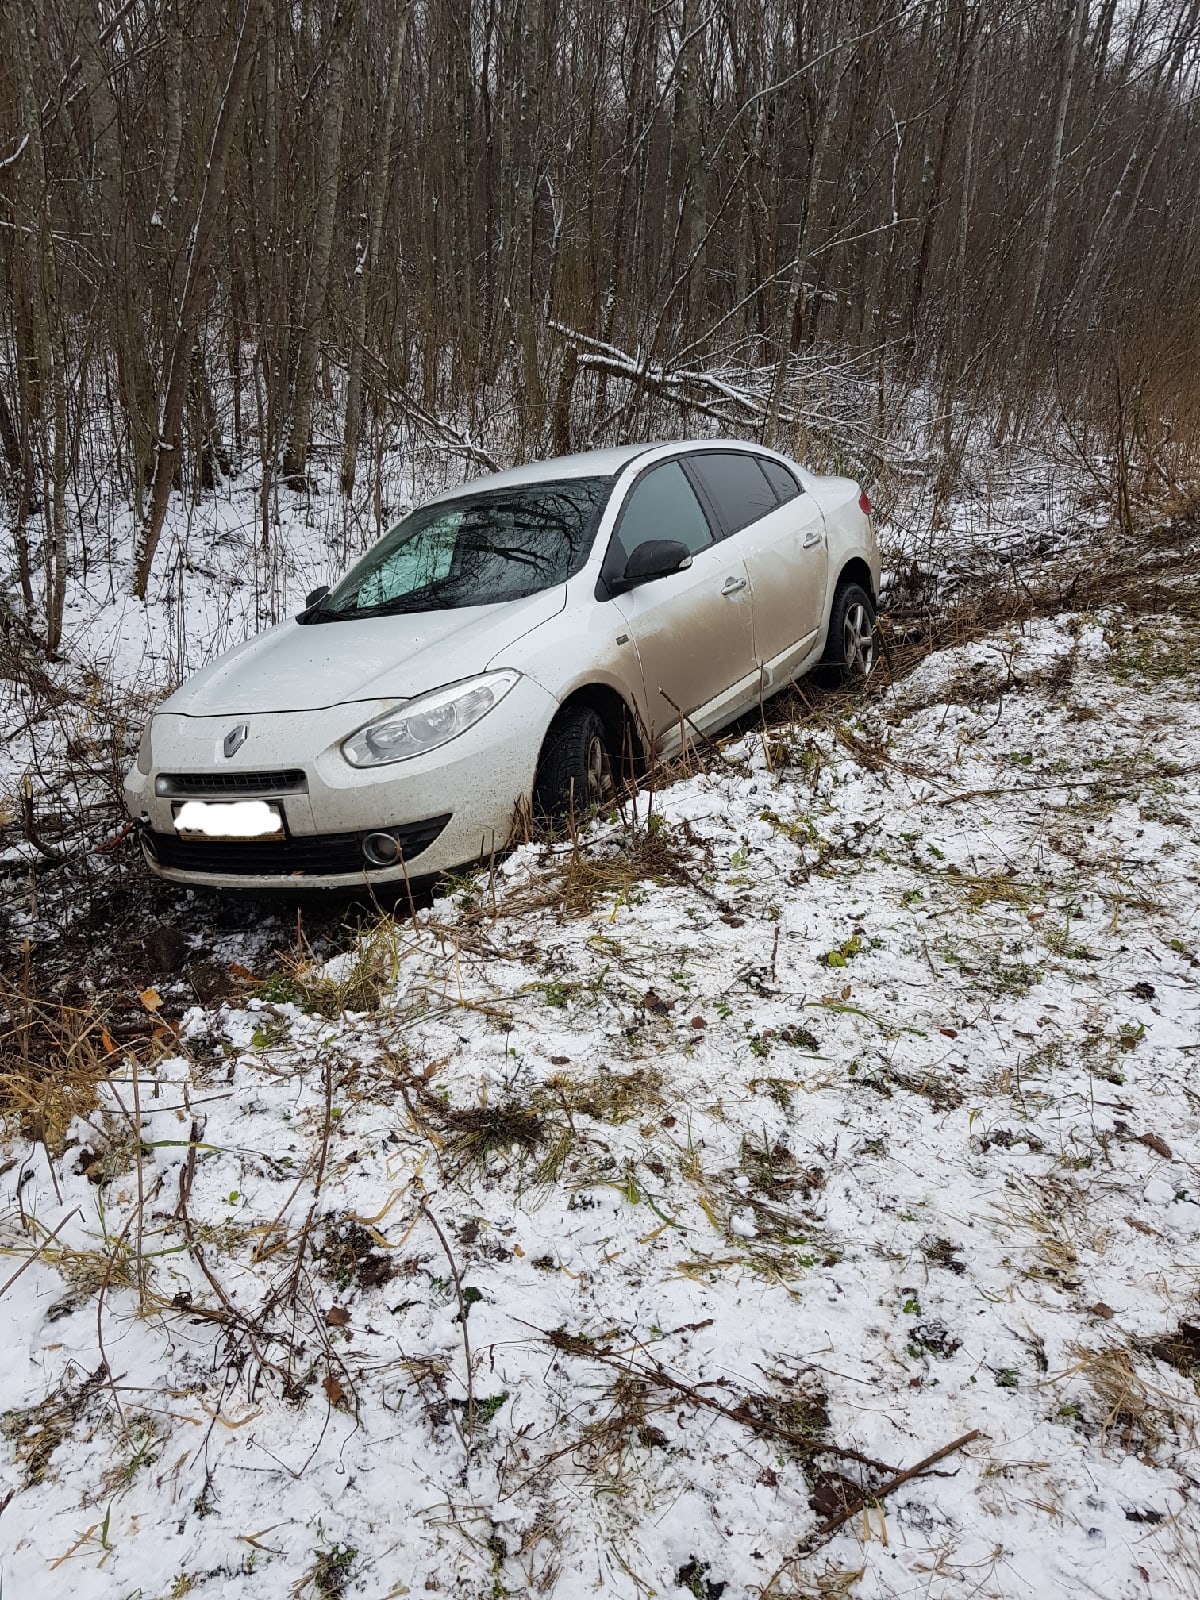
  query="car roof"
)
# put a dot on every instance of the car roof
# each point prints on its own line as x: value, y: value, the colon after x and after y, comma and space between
x: 594, y: 463
x: 585, y: 464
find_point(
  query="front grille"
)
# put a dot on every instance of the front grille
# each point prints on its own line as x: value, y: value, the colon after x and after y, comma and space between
x: 178, y: 784
x: 314, y: 855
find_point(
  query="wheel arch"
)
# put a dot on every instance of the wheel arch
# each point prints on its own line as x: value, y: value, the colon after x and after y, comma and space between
x: 620, y: 720
x: 857, y: 571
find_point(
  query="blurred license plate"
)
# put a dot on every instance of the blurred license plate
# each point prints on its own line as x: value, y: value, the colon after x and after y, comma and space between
x: 229, y: 819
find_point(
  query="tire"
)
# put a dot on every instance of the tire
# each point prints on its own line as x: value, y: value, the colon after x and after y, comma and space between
x: 852, y: 646
x: 575, y: 769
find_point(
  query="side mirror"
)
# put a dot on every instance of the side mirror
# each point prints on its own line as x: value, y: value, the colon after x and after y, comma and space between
x: 314, y: 596
x: 656, y: 558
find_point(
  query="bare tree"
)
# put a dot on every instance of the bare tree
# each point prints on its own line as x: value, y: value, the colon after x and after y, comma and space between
x: 368, y: 254
x: 549, y: 222
x: 191, y: 303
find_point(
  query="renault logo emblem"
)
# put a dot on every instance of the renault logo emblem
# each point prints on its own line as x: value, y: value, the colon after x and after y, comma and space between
x: 236, y: 738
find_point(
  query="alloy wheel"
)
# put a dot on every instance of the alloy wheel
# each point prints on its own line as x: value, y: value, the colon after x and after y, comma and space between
x: 597, y: 775
x: 858, y: 641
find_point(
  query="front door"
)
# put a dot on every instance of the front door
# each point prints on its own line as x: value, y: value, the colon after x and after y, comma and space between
x: 693, y: 631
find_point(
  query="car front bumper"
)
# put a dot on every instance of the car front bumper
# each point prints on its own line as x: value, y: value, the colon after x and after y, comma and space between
x: 450, y: 808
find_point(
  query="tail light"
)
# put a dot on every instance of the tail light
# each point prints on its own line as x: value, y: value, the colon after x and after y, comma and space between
x: 864, y: 505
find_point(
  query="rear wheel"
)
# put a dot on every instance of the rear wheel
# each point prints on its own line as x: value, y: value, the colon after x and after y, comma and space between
x: 575, y: 770
x: 851, y: 649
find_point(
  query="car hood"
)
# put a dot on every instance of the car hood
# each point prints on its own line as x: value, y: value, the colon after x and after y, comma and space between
x: 306, y: 667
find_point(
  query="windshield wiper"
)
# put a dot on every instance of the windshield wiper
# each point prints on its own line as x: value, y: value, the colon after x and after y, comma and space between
x: 385, y: 608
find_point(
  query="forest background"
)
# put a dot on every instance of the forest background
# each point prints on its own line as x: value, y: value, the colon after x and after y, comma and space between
x: 254, y: 235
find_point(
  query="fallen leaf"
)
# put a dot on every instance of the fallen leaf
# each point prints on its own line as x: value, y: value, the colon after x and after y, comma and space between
x: 1101, y: 1310
x: 151, y: 999
x: 335, y: 1317
x: 1153, y: 1142
x: 847, y: 992
x: 560, y: 1061
x: 517, y: 1251
x: 1143, y: 1227
x: 334, y: 1392
x: 106, y: 1039
x: 237, y: 970
x: 697, y: 1022
x: 951, y: 1033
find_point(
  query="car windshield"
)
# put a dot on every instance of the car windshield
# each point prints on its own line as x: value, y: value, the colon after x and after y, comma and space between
x: 474, y: 550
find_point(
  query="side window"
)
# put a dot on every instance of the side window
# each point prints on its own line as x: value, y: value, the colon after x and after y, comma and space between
x: 736, y: 486
x: 781, y: 480
x: 663, y: 505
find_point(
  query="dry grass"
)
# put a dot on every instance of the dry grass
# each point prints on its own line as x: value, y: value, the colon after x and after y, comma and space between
x: 605, y: 1096
x: 472, y: 1137
x: 356, y: 981
x: 1133, y: 1413
x: 53, y: 1057
x: 605, y: 870
x: 36, y: 1432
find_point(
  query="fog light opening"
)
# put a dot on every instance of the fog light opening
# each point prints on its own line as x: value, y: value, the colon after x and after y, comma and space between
x: 381, y: 849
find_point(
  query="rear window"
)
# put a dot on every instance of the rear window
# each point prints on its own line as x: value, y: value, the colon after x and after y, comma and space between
x: 736, y: 486
x: 780, y: 479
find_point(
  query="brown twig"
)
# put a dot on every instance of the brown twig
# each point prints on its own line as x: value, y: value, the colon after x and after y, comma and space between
x: 141, y: 1189
x: 34, y: 1254
x: 705, y: 738
x: 870, y: 1497
x: 654, y: 1373
x: 462, y: 1317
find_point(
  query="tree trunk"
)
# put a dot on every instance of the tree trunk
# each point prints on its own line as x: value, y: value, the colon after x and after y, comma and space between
x: 313, y: 319
x: 191, y: 305
x: 368, y: 254
x: 46, y: 334
x: 1075, y: 15
x: 689, y: 163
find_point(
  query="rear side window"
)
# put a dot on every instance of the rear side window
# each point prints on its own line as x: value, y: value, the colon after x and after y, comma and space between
x: 663, y: 505
x: 781, y: 480
x: 736, y: 486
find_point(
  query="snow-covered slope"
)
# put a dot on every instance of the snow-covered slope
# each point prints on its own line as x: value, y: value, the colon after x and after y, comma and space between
x: 840, y: 1104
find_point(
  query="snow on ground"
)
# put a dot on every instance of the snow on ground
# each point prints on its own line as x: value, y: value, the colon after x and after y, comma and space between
x: 666, y: 1195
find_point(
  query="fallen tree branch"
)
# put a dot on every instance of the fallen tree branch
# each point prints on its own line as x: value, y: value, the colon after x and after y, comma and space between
x: 869, y: 1498
x: 654, y: 1373
x: 34, y: 1254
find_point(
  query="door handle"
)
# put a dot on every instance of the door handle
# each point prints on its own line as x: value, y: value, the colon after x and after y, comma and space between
x: 814, y: 536
x: 733, y: 585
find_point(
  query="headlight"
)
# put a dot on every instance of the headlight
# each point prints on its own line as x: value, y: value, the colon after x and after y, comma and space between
x: 144, y: 759
x: 427, y: 722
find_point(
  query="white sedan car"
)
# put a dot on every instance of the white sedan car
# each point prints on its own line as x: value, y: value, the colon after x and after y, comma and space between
x: 513, y: 644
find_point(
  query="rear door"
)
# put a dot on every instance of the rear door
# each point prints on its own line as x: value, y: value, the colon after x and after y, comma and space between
x: 779, y: 532
x: 693, y: 631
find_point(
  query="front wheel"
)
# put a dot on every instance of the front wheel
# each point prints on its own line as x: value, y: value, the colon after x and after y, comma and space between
x: 851, y: 648
x: 575, y: 771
